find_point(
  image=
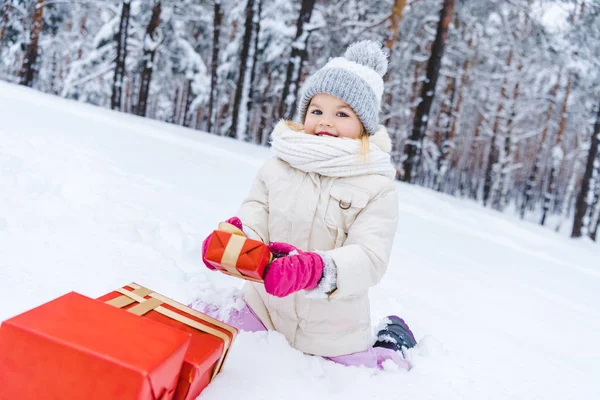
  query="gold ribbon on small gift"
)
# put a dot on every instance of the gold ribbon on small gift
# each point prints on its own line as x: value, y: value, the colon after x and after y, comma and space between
x: 232, y: 251
x: 233, y: 248
x: 155, y: 303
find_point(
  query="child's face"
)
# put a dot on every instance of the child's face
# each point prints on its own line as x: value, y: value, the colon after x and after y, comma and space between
x: 327, y: 115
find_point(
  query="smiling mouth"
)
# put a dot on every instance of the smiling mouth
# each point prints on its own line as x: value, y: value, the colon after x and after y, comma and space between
x: 323, y: 133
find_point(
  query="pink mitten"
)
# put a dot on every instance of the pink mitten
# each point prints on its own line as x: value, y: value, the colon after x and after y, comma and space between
x: 281, y: 249
x: 291, y: 273
x: 233, y: 221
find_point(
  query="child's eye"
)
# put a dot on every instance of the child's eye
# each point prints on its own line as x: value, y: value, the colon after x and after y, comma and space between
x: 316, y: 112
x: 342, y: 114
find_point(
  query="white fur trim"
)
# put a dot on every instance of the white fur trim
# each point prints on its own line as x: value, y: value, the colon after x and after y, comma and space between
x: 328, y: 282
x: 382, y: 139
x: 281, y: 127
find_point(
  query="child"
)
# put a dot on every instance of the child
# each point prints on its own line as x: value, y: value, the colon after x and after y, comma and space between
x: 327, y: 206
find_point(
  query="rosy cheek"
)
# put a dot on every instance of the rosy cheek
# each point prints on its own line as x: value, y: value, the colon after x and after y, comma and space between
x: 347, y: 130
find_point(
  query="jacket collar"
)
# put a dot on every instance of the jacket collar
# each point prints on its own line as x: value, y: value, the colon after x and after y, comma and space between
x: 381, y: 138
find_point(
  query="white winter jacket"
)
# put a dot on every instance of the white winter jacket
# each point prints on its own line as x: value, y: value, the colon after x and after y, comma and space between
x: 351, y: 219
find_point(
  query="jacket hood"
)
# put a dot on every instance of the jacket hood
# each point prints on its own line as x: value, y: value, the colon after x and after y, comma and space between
x: 381, y: 138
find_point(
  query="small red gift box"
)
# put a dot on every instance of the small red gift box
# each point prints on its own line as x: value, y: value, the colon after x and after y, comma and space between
x: 211, y: 339
x: 75, y: 347
x: 232, y: 253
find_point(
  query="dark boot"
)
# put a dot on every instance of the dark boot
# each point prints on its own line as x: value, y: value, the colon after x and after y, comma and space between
x: 395, y: 335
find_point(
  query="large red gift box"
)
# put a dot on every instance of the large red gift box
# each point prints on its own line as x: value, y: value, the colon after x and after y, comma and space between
x: 232, y: 253
x: 75, y: 347
x: 211, y: 339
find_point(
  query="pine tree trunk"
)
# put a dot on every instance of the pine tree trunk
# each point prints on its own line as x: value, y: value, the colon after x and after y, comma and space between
x: 556, y: 154
x: 569, y: 193
x: 54, y: 74
x: 82, y: 32
x: 127, y: 104
x: 413, y: 147
x: 29, y: 65
x: 4, y: 22
x: 463, y: 83
x: 199, y: 117
x: 187, y: 103
x: 492, y: 168
x: 266, y: 109
x: 455, y: 116
x: 394, y: 28
x: 475, y: 157
x: 121, y: 39
x: 294, y: 69
x: 150, y: 47
x: 175, y: 116
x: 594, y: 234
x: 217, y: 19
x: 530, y: 184
x: 255, y: 53
x: 509, y: 149
x: 595, y: 215
x: 581, y: 207
x: 182, y: 95
x: 242, y: 77
x: 447, y: 136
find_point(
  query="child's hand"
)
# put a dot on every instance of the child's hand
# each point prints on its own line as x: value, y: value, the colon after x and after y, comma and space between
x: 281, y: 249
x: 235, y: 221
x: 295, y: 270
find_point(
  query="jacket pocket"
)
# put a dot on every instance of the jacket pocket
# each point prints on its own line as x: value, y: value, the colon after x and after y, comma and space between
x: 344, y: 204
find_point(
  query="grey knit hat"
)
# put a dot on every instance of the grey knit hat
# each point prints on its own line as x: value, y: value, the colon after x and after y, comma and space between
x: 356, y: 78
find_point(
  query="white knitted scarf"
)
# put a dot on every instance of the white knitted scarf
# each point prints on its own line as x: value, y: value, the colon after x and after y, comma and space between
x: 330, y: 156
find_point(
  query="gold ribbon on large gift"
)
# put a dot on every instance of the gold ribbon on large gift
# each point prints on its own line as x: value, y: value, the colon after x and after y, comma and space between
x: 155, y: 303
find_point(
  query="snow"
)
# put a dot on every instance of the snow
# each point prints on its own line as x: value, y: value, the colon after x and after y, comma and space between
x: 106, y: 33
x: 91, y: 199
x: 553, y: 15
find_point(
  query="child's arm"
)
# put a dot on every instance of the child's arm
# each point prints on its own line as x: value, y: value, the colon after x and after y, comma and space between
x: 362, y: 261
x: 254, y: 211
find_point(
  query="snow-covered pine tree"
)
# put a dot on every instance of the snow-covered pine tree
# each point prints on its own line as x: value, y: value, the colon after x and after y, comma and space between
x: 28, y: 68
x: 240, y: 97
x: 585, y: 196
x: 557, y: 153
x: 121, y: 46
x: 479, y: 95
x: 214, y: 64
x: 542, y: 151
x: 415, y: 143
x: 152, y: 40
x: 298, y: 55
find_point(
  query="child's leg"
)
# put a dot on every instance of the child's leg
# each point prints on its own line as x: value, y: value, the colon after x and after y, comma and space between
x: 372, y: 358
x: 394, y: 335
x: 244, y: 319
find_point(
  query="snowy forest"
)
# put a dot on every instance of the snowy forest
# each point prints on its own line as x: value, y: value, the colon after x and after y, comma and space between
x: 497, y: 101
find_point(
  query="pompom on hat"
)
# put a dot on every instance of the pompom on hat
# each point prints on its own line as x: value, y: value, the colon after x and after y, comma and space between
x: 356, y: 78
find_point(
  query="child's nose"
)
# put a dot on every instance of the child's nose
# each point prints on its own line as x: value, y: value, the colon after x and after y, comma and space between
x: 325, y: 122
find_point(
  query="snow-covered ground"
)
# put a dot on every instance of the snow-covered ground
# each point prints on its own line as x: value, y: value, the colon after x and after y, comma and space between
x: 92, y: 199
